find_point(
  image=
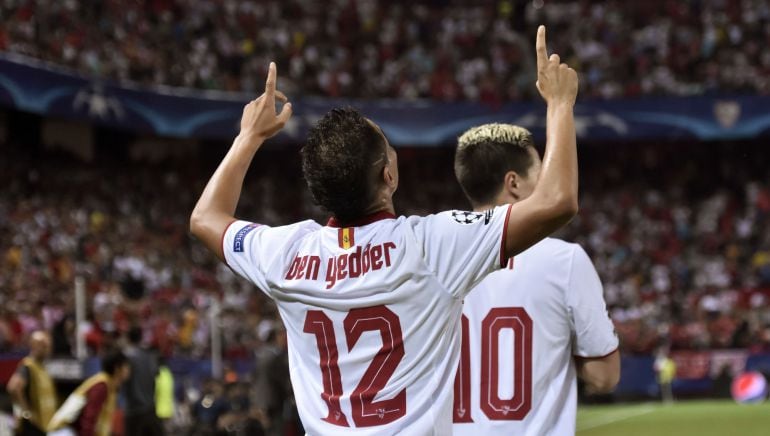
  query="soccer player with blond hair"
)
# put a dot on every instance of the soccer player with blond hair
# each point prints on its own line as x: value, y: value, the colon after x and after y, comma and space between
x: 530, y: 329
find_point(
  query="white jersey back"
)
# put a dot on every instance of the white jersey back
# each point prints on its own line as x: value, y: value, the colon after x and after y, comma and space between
x: 521, y: 328
x: 372, y: 312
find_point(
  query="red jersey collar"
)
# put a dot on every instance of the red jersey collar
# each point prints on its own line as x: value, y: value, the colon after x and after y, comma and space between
x: 377, y: 216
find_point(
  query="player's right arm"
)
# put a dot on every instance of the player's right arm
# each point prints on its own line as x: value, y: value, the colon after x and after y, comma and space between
x: 215, y: 209
x: 554, y: 202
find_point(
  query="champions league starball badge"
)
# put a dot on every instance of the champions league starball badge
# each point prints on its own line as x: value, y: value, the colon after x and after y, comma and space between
x: 464, y: 217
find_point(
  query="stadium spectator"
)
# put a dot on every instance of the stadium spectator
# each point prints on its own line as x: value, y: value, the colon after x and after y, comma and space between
x: 665, y: 371
x: 208, y: 410
x: 89, y: 410
x: 165, y: 404
x: 272, y: 392
x: 32, y: 389
x: 139, y: 389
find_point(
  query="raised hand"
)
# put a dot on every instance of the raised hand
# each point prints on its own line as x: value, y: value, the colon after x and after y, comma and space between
x: 259, y: 119
x: 556, y: 82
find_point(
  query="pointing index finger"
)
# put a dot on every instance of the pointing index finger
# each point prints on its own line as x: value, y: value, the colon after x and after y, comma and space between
x: 542, y: 53
x: 270, y: 83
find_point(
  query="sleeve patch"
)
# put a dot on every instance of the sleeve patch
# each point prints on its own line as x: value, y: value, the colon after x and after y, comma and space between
x: 464, y: 217
x: 241, y: 235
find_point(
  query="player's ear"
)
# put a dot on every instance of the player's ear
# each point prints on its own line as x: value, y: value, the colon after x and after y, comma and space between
x: 512, y: 185
x: 389, y: 177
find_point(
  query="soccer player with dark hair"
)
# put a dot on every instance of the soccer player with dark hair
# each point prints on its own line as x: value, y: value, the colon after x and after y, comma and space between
x: 371, y: 301
x: 528, y: 330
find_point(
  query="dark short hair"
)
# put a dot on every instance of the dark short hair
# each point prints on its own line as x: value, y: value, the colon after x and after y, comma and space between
x: 112, y: 360
x: 338, y: 162
x: 486, y: 153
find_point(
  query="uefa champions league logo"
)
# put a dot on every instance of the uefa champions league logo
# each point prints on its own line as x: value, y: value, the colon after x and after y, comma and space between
x: 464, y: 217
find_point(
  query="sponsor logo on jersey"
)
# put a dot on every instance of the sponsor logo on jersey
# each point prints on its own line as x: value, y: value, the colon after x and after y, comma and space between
x: 488, y: 216
x: 465, y: 217
x: 241, y: 235
x: 345, y: 237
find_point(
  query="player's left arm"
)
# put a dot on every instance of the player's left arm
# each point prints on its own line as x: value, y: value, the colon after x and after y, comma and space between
x: 215, y: 209
x: 595, y: 345
x: 600, y: 374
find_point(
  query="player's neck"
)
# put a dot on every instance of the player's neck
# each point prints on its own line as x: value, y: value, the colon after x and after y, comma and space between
x: 487, y: 206
x: 384, y: 205
x: 501, y: 200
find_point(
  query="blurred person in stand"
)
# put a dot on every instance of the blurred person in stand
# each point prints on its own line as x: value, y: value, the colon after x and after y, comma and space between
x: 139, y: 389
x: 209, y: 408
x: 236, y: 419
x: 89, y: 410
x: 665, y: 368
x: 64, y: 336
x: 32, y: 389
x: 273, y: 395
x: 164, y: 395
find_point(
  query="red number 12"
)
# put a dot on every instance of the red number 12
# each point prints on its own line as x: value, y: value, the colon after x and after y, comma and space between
x: 366, y: 411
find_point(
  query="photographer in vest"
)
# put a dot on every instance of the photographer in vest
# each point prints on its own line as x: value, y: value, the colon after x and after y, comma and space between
x: 32, y: 390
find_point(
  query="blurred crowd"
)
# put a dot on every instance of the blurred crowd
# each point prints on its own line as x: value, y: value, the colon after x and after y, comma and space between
x: 440, y: 49
x: 680, y: 235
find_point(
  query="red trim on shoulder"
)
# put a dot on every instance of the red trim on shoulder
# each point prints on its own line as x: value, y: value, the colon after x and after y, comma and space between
x: 503, y: 260
x: 597, y: 357
x: 222, y: 241
x: 377, y: 216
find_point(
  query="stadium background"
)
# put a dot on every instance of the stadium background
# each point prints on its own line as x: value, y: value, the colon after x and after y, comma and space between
x: 115, y: 113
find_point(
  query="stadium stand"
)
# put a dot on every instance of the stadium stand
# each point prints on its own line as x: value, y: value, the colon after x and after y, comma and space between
x: 679, y: 230
x: 441, y: 49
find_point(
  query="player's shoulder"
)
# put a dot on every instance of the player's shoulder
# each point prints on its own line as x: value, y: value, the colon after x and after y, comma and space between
x: 300, y: 227
x: 455, y: 217
x: 240, y: 231
x: 305, y: 226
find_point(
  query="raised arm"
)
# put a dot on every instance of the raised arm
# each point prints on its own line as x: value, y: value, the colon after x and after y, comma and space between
x: 216, y: 207
x: 554, y: 202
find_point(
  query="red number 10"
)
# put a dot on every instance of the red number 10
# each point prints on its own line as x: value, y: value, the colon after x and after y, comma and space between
x: 494, y: 407
x: 366, y: 411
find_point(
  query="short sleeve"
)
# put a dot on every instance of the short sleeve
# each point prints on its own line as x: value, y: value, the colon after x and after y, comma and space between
x: 594, y: 333
x: 461, y: 247
x: 250, y: 248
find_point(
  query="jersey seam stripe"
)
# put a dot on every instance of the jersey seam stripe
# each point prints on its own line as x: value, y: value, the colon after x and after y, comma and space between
x: 614, y: 350
x: 222, y: 241
x: 503, y: 260
x: 565, y: 295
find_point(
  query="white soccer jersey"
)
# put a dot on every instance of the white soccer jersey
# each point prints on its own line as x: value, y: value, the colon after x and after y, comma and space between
x: 372, y: 312
x: 521, y: 327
